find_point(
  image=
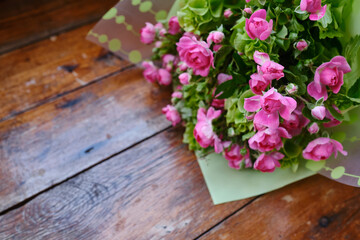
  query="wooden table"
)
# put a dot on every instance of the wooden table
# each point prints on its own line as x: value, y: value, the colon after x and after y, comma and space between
x: 86, y: 153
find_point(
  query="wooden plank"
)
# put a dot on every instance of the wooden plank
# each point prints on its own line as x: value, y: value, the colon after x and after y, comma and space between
x: 48, y: 144
x: 24, y: 21
x: 47, y: 69
x: 315, y: 208
x: 152, y: 191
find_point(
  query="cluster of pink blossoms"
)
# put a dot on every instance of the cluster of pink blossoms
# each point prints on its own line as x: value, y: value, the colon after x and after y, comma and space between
x: 276, y: 114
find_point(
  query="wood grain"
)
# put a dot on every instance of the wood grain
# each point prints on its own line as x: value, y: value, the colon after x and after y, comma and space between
x: 24, y: 21
x: 34, y: 74
x: 316, y: 208
x: 152, y: 191
x: 61, y: 138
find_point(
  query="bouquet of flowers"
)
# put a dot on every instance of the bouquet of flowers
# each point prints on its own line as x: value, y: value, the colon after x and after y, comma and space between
x: 261, y: 83
x: 258, y: 81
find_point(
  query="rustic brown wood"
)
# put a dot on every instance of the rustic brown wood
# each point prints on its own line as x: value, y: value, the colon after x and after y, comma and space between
x: 315, y: 208
x: 34, y: 74
x: 57, y: 140
x: 152, y: 191
x: 25, y: 21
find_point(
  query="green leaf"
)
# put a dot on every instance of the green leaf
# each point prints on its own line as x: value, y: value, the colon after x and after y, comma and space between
x: 295, y: 26
x: 227, y: 88
x: 222, y: 55
x: 354, y: 91
x: 302, y: 15
x: 216, y: 7
x: 283, y: 32
x: 291, y: 149
x: 247, y: 135
x: 199, y: 7
x: 334, y: 113
x: 244, y: 95
x: 351, y: 53
x: 327, y: 19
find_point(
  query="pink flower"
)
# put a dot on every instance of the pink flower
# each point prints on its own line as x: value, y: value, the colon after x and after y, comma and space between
x: 218, y: 103
x: 272, y: 104
x: 184, y: 78
x: 151, y: 72
x: 203, y: 131
x: 196, y: 54
x: 168, y: 61
x: 160, y: 29
x: 314, y: 128
x: 177, y: 95
x: 222, y: 77
x: 147, y: 33
x: 333, y: 122
x: 217, y: 47
x: 248, y: 10
x: 301, y: 45
x: 258, y: 84
x: 296, y: 122
x: 164, y: 77
x: 322, y: 148
x: 329, y: 74
x: 227, y: 13
x: 234, y: 156
x: 268, y: 139
x: 291, y: 88
x: 257, y: 26
x: 172, y: 114
x: 216, y: 37
x: 272, y: 70
x: 182, y: 66
x: 261, y: 57
x: 318, y: 112
x: 268, y: 163
x: 158, y: 44
x: 174, y: 27
x: 313, y: 7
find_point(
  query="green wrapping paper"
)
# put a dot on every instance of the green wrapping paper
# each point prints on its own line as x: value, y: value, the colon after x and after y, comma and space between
x: 118, y: 32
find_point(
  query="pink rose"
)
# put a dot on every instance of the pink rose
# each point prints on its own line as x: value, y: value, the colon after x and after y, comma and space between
x: 184, y: 78
x: 296, y: 122
x: 227, y: 13
x: 258, y: 84
x: 314, y: 128
x: 333, y: 121
x: 217, y: 47
x: 313, y: 7
x: 196, y: 54
x: 272, y: 70
x: 147, y: 33
x: 174, y: 27
x: 172, y: 114
x: 248, y: 10
x: 257, y: 26
x: 168, y: 61
x: 203, y: 131
x: 318, y: 112
x: 261, y: 57
x: 160, y: 29
x: 268, y: 163
x: 272, y: 104
x: 329, y: 74
x: 301, y: 45
x: 182, y: 66
x: 216, y: 37
x: 234, y: 156
x: 322, y: 148
x: 164, y: 77
x: 176, y: 94
x: 151, y: 72
x: 268, y: 139
x: 222, y: 77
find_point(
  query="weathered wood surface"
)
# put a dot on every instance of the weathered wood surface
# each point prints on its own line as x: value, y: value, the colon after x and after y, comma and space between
x: 154, y: 190
x: 316, y: 208
x: 61, y: 138
x: 34, y: 74
x: 26, y: 21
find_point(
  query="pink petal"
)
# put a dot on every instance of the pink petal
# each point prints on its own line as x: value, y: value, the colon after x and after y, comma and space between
x: 312, y: 90
x: 289, y: 105
x: 252, y: 104
x: 269, y: 120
